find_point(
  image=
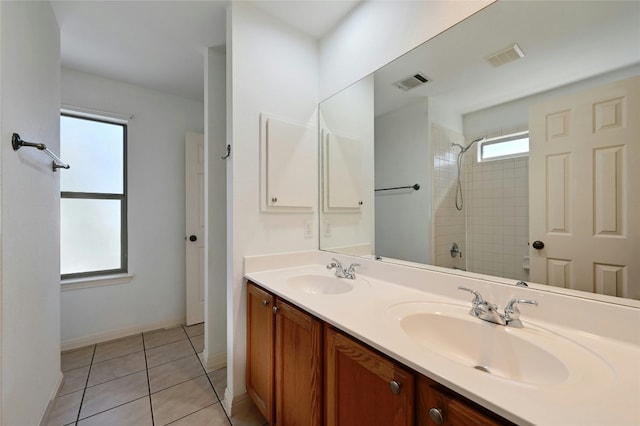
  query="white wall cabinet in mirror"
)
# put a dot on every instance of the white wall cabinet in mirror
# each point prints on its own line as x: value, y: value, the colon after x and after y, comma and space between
x: 347, y: 181
x: 288, y: 156
x: 342, y: 173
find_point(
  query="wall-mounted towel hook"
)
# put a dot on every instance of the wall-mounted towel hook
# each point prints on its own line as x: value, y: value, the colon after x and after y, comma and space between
x: 17, y: 143
x: 228, y: 154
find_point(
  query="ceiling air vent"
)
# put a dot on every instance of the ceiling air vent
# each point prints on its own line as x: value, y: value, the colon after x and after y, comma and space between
x: 411, y: 82
x: 506, y: 55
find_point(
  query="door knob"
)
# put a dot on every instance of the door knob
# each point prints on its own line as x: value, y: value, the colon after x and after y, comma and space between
x: 395, y: 387
x: 193, y: 238
x: 538, y: 245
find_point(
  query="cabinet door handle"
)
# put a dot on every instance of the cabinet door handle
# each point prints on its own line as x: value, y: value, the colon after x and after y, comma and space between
x: 436, y: 415
x: 275, y: 309
x: 265, y: 302
x: 395, y: 387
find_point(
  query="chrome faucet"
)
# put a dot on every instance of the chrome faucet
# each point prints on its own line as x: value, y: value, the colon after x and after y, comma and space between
x: 349, y: 273
x: 512, y: 313
x: 486, y: 311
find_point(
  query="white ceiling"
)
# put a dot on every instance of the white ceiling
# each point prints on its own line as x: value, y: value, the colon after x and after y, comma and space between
x: 161, y: 44
x: 564, y: 42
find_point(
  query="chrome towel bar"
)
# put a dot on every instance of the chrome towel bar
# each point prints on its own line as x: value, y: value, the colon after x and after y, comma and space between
x: 18, y: 143
x: 416, y: 187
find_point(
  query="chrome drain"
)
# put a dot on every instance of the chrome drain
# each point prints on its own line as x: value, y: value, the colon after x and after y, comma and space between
x: 482, y: 368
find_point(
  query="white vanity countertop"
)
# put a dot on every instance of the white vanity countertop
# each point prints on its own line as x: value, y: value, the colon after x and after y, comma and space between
x: 608, y: 394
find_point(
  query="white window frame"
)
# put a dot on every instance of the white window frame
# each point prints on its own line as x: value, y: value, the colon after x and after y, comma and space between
x: 502, y: 139
x: 119, y: 274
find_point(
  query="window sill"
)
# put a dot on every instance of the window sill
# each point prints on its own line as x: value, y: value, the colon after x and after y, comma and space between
x: 100, y: 281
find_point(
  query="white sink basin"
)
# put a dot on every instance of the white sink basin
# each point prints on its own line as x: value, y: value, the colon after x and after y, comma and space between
x: 324, y: 284
x: 529, y: 355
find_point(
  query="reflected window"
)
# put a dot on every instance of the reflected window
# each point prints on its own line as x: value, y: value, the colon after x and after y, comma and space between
x: 508, y: 146
x: 93, y: 205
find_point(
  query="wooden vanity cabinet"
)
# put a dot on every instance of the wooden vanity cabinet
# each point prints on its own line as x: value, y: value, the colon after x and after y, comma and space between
x: 364, y: 388
x: 439, y: 406
x: 284, y: 360
x: 299, y: 373
x: 261, y: 350
x: 298, y: 367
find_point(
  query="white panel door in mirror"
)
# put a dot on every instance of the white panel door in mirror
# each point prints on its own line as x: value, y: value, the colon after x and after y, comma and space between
x: 289, y: 165
x: 342, y: 173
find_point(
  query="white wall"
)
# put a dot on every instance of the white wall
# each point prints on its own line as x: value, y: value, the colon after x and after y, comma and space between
x: 215, y: 351
x: 30, y: 253
x: 156, y: 219
x: 272, y: 69
x: 403, y: 157
x: 377, y: 32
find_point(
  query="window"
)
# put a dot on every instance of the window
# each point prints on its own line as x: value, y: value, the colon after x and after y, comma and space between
x: 509, y: 146
x: 93, y: 205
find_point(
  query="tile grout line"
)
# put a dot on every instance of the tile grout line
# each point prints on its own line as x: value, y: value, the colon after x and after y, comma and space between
x: 208, y: 377
x: 146, y: 365
x: 119, y: 377
x: 84, y: 390
x: 190, y: 414
x: 201, y: 364
x: 93, y: 364
x: 107, y: 410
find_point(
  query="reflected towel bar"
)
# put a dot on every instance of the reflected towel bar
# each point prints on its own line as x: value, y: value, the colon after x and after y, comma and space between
x: 18, y: 143
x: 416, y: 187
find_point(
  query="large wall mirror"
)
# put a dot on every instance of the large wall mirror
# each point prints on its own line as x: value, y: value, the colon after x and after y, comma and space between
x: 506, y: 146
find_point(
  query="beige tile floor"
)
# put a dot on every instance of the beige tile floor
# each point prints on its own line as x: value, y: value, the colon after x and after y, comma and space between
x: 153, y: 378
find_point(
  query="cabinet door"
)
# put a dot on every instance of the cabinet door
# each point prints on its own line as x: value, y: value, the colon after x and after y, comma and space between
x: 364, y: 388
x: 298, y: 367
x: 450, y: 409
x: 260, y: 350
x: 342, y: 173
x: 288, y: 168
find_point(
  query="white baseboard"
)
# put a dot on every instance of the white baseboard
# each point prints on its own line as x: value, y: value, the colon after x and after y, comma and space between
x: 214, y: 362
x: 238, y: 404
x: 117, y: 334
x: 52, y: 400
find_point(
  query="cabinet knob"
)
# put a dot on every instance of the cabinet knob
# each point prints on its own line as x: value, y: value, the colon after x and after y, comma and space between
x: 395, y: 387
x: 275, y: 309
x: 265, y: 302
x: 436, y: 415
x: 274, y: 199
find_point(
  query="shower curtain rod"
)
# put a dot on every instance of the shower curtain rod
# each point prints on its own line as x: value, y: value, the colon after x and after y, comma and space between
x: 18, y: 143
x: 416, y: 187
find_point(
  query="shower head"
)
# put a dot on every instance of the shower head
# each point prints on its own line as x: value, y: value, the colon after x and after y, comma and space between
x: 464, y: 149
x: 473, y: 142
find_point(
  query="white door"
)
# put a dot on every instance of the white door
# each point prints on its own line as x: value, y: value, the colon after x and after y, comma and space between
x: 195, y: 237
x: 584, y: 185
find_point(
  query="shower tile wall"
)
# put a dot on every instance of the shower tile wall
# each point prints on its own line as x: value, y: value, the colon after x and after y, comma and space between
x: 449, y: 223
x: 497, y: 205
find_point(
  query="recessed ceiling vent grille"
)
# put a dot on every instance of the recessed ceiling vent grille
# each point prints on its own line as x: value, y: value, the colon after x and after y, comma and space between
x: 505, y: 56
x: 415, y: 80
